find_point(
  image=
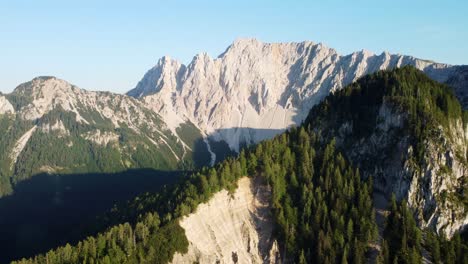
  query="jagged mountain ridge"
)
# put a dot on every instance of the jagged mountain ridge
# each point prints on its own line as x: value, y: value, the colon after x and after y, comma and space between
x: 49, y: 125
x: 255, y: 90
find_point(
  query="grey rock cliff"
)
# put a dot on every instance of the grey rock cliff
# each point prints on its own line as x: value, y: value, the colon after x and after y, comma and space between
x: 431, y: 187
x: 255, y: 90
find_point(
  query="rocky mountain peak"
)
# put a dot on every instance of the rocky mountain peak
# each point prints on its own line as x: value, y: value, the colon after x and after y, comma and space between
x: 45, y: 87
x: 201, y: 63
x: 167, y: 63
x: 42, y: 94
x: 252, y: 49
x: 241, y: 43
x: 254, y: 87
x: 163, y: 74
x: 164, y: 59
x: 36, y: 98
x: 44, y: 78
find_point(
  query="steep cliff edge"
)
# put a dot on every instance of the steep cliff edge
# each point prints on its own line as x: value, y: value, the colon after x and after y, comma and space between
x: 411, y: 134
x: 232, y: 228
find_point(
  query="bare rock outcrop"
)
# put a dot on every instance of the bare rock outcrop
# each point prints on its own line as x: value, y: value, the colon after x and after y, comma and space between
x: 232, y: 228
x: 434, y: 186
x: 5, y: 106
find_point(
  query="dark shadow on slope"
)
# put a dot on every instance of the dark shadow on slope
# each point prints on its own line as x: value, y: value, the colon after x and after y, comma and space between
x: 246, y: 136
x: 50, y: 210
x: 221, y: 149
x: 217, y: 142
x: 193, y: 138
x: 263, y: 219
x: 459, y: 81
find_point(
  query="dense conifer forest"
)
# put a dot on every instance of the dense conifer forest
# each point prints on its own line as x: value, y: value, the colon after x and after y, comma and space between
x: 404, y: 242
x: 314, y: 191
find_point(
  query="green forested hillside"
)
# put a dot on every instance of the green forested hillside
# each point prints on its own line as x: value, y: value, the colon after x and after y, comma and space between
x: 322, y: 209
x: 72, y: 153
x: 410, y: 133
x: 59, y: 149
x: 109, y: 134
x: 322, y: 205
x: 425, y: 104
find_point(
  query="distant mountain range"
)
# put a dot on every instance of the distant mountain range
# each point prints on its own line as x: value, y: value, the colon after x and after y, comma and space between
x: 255, y: 90
x: 183, y: 116
x: 210, y: 107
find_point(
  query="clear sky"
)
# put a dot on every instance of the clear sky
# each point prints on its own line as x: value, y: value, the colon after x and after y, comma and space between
x: 109, y: 45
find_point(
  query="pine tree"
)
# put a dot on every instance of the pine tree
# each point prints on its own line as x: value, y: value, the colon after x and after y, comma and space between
x: 302, y: 258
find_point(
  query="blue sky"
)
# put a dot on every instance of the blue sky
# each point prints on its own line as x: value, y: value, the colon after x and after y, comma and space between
x: 109, y: 45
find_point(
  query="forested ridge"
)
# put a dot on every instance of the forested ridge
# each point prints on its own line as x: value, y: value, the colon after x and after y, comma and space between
x: 425, y: 103
x: 307, y: 183
x: 58, y: 143
x: 322, y: 206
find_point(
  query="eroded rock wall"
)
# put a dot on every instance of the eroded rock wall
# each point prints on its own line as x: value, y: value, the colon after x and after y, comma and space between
x: 232, y: 228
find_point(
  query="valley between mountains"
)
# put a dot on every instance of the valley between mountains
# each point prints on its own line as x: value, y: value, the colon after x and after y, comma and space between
x: 268, y: 153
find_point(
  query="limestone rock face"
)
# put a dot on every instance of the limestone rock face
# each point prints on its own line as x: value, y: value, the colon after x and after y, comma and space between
x: 255, y: 90
x: 436, y: 189
x: 5, y: 106
x: 232, y: 228
x: 430, y: 187
x: 44, y: 94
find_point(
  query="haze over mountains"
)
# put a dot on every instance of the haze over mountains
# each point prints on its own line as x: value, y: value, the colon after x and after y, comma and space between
x: 406, y: 131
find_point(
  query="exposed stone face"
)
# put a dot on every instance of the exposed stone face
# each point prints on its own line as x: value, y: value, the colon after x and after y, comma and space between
x: 57, y: 127
x: 232, y: 228
x: 20, y: 144
x: 48, y: 93
x: 434, y: 187
x: 255, y: 90
x: 428, y: 186
x: 5, y: 106
x: 102, y: 138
